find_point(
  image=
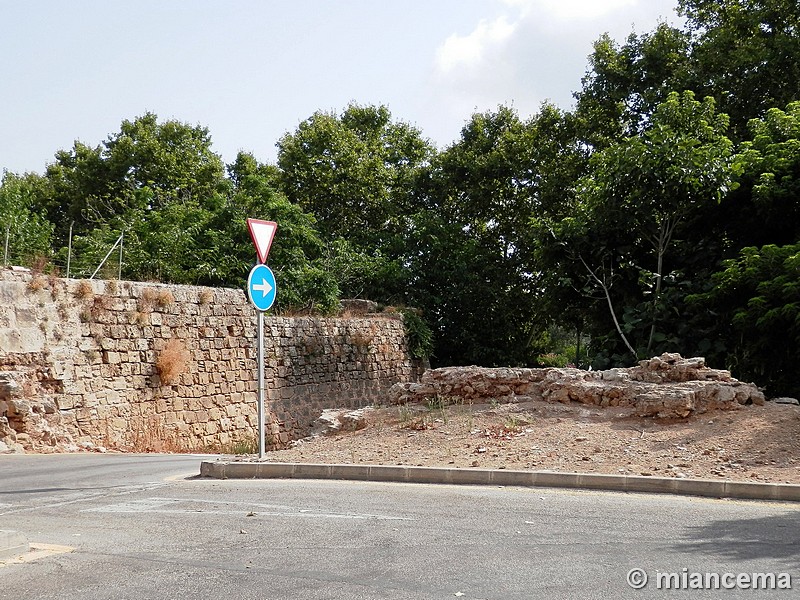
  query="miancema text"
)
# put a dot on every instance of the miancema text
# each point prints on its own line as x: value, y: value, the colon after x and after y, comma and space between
x: 687, y: 580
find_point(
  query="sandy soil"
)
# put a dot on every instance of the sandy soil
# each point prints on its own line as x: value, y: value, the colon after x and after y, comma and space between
x: 750, y: 444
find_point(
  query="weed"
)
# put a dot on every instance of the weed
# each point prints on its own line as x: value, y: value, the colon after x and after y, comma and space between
x: 56, y: 286
x: 206, y: 297
x: 39, y: 264
x: 37, y: 283
x: 418, y: 334
x: 165, y: 298
x: 147, y: 299
x: 311, y: 346
x: 361, y: 340
x: 436, y: 402
x: 84, y: 290
x: 420, y: 423
x: 150, y: 435
x: 139, y: 318
x: 246, y: 445
x: 404, y: 414
x: 111, y: 287
x: 172, y: 361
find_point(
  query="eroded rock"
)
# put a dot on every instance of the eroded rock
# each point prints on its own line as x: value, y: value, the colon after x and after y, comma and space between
x: 666, y: 386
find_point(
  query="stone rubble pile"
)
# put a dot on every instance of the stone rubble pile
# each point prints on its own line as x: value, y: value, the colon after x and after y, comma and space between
x: 667, y: 386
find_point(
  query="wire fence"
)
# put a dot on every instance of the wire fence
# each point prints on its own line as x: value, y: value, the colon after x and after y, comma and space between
x: 16, y: 250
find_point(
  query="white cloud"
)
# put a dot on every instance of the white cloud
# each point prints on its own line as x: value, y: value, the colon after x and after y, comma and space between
x: 569, y: 9
x: 529, y: 51
x: 471, y: 50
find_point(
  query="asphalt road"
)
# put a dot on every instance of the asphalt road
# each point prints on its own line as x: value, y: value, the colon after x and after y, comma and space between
x: 141, y: 530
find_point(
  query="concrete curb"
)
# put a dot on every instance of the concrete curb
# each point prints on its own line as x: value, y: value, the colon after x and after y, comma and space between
x: 585, y: 481
x: 12, y: 544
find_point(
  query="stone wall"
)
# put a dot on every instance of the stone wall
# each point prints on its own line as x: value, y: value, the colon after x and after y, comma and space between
x: 666, y: 386
x: 146, y: 366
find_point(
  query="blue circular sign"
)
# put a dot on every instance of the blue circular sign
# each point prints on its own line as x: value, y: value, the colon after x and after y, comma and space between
x: 261, y: 287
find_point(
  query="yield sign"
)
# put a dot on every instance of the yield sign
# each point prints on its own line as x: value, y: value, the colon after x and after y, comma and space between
x: 262, y: 232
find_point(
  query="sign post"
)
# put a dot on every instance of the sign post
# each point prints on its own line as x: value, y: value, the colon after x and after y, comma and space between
x: 261, y: 290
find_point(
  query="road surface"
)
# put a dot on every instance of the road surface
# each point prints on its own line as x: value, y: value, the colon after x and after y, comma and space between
x: 141, y: 528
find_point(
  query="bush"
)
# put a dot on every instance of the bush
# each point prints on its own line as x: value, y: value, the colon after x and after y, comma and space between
x: 418, y: 333
x: 758, y: 295
x: 172, y: 361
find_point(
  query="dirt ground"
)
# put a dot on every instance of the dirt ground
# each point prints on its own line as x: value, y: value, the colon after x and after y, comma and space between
x: 754, y: 443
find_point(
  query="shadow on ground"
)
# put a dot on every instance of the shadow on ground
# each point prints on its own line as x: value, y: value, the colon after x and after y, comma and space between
x: 776, y: 537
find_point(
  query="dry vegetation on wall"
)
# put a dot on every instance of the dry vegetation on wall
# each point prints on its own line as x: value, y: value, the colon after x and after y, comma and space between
x: 84, y: 290
x: 172, y: 361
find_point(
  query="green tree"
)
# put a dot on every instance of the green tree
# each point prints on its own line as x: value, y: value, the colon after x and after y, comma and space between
x: 297, y: 254
x: 25, y: 232
x: 625, y: 83
x: 145, y: 167
x: 765, y: 208
x: 757, y: 297
x: 743, y: 53
x: 471, y: 250
x: 638, y: 198
x: 356, y: 172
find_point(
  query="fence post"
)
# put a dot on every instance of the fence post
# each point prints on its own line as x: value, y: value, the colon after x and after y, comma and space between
x: 69, y: 247
x: 5, y: 252
x: 119, y: 275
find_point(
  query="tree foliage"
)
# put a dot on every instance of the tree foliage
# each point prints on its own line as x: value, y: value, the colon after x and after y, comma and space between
x: 25, y: 232
x: 662, y: 213
x: 624, y: 241
x: 743, y: 53
x: 758, y: 295
x: 356, y: 173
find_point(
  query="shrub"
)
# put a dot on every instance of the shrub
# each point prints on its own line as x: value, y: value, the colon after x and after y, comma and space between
x: 165, y: 298
x: 37, y: 283
x: 418, y: 333
x: 84, y: 290
x: 172, y: 361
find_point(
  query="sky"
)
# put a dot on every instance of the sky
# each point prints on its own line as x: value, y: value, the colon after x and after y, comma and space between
x: 252, y: 70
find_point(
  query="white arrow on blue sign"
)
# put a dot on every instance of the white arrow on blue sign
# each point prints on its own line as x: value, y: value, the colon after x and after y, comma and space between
x: 261, y: 287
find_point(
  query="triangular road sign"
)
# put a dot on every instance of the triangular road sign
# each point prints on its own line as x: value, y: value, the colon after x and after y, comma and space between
x: 262, y: 232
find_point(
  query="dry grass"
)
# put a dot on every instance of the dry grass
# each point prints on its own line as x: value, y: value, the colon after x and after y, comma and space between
x: 37, y: 283
x: 139, y: 318
x: 148, y: 299
x: 361, y: 339
x: 39, y: 264
x: 56, y: 285
x: 172, y: 361
x: 206, y: 297
x: 148, y: 434
x: 165, y: 298
x: 84, y: 290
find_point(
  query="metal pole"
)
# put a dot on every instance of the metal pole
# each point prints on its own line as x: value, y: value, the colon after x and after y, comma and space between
x: 69, y: 247
x: 260, y: 384
x: 119, y: 276
x: 119, y: 239
x: 5, y: 252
